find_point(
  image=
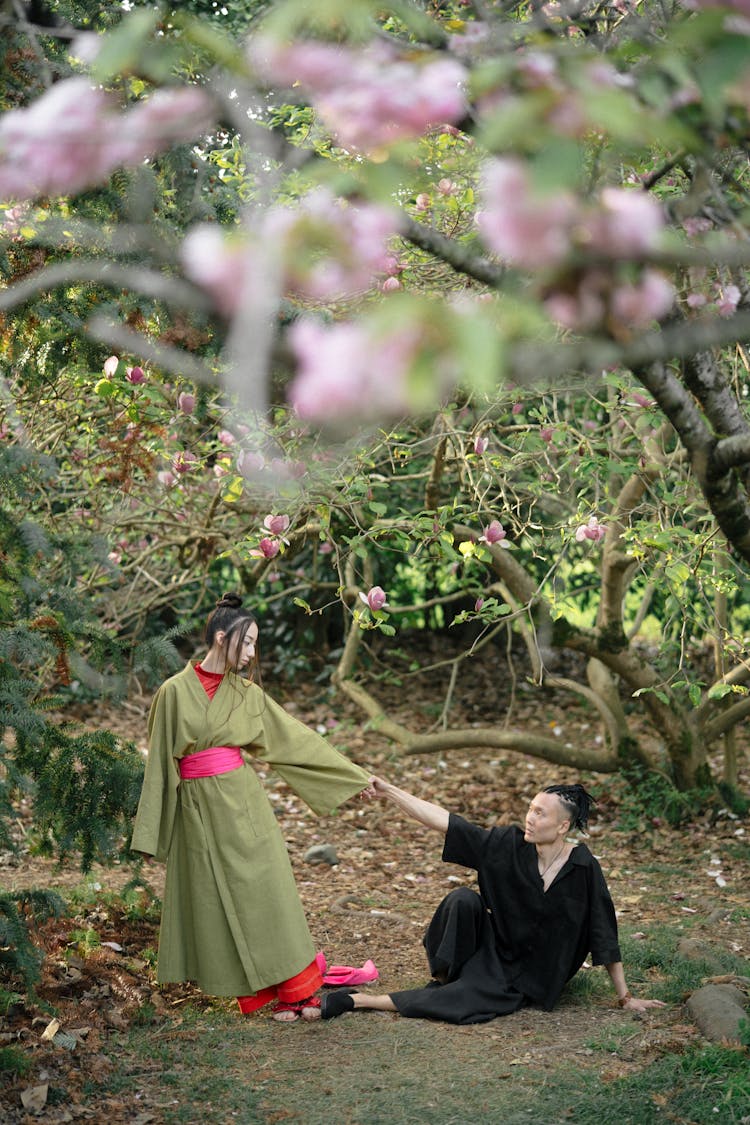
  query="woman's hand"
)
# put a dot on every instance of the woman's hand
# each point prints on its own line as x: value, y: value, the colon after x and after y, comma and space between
x: 633, y: 1004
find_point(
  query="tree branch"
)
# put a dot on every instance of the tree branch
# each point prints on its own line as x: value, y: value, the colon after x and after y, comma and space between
x: 159, y: 286
x: 456, y: 254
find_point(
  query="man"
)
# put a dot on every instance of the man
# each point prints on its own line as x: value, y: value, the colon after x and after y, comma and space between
x: 542, y: 906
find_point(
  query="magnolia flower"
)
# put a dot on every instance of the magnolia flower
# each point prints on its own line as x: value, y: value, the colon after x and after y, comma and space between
x: 494, y: 533
x: 184, y: 461
x: 480, y: 445
x: 423, y: 201
x: 277, y: 525
x: 166, y: 478
x: 135, y: 375
x: 391, y: 284
x: 374, y: 599
x: 110, y: 366
x: 186, y: 402
x: 225, y: 437
x: 729, y: 300
x: 591, y: 530
x: 250, y: 464
x: 478, y: 604
x: 266, y: 549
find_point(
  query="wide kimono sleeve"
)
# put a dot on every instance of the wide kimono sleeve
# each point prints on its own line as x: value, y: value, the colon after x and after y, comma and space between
x: 322, y: 776
x: 466, y: 843
x: 603, y: 937
x: 154, y: 819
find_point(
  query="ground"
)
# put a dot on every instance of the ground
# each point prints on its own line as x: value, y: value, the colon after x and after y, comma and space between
x: 128, y: 1052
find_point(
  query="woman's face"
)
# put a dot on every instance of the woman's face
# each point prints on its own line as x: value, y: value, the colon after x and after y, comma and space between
x: 241, y: 650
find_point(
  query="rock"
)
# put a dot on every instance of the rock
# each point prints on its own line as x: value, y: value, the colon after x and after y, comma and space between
x: 693, y: 950
x: 717, y: 1009
x: 321, y: 853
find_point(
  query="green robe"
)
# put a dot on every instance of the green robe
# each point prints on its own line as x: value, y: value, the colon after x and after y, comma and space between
x: 232, y: 920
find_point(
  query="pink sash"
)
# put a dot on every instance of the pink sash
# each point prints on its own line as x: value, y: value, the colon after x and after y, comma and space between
x: 206, y: 763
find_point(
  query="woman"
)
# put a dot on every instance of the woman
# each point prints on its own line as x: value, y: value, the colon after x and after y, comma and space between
x: 542, y: 906
x: 232, y: 920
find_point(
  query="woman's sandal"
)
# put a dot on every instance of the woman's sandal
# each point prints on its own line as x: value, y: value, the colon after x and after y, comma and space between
x: 336, y: 1003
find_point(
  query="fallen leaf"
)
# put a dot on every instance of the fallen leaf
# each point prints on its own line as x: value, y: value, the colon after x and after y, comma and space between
x: 34, y: 1098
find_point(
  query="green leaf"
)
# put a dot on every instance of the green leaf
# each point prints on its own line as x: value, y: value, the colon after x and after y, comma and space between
x: 105, y: 388
x: 694, y: 694
x: 233, y: 490
x: 303, y: 605
x: 122, y: 49
x: 377, y: 507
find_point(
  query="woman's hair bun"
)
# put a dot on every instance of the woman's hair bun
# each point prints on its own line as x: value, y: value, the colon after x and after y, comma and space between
x: 229, y: 601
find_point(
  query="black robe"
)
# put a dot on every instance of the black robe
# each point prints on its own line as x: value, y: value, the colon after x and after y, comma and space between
x: 514, y: 943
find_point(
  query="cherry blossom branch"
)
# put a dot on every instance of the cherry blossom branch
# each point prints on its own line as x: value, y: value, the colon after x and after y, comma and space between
x: 448, y: 250
x: 149, y: 283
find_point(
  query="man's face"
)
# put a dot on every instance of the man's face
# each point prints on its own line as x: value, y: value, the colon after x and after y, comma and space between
x: 546, y: 821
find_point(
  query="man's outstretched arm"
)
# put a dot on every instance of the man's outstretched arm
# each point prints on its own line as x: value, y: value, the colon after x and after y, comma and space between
x: 427, y: 813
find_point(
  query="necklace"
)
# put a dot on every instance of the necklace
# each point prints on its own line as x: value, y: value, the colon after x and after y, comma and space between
x: 552, y: 862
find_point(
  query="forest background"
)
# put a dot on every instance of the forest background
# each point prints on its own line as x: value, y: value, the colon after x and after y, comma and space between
x: 424, y: 327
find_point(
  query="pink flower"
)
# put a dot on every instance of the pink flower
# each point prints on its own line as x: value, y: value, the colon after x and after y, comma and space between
x: 73, y: 136
x: 480, y: 445
x: 729, y: 300
x: 478, y: 604
x: 446, y: 187
x: 696, y: 300
x: 110, y: 366
x: 518, y: 223
x: 135, y: 375
x: 221, y: 265
x: 374, y: 599
x: 546, y: 433
x: 250, y: 464
x: 423, y: 201
x: 391, y: 284
x: 277, y: 525
x: 184, y: 461
x: 226, y: 437
x: 494, y: 534
x: 591, y: 530
x: 266, y: 549
x: 343, y: 372
x: 186, y: 402
x: 650, y: 299
x: 517, y: 408
x: 326, y: 547
x: 628, y: 223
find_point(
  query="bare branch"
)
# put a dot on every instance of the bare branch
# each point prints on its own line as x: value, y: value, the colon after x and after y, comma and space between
x: 159, y: 286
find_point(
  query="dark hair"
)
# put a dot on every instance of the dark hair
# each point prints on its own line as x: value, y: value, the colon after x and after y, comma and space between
x: 229, y: 618
x: 576, y: 801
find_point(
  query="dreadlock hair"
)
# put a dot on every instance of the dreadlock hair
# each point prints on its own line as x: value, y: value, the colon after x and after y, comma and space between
x: 576, y: 801
x: 230, y: 618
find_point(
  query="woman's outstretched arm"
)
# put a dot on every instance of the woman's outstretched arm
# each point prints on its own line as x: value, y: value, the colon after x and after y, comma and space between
x: 427, y: 813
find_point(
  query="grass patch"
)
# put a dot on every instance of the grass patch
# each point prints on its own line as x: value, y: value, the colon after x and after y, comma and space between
x: 706, y: 1085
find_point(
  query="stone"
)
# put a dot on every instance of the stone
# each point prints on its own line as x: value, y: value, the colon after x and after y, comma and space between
x: 717, y: 1010
x: 321, y: 853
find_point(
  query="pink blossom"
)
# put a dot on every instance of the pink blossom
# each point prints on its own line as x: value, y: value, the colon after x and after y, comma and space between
x: 446, y: 187
x: 728, y: 301
x: 221, y: 265
x: 343, y: 371
x: 423, y: 201
x: 494, y: 533
x: 517, y: 408
x: 591, y: 530
x: 73, y: 136
x: 135, y: 375
x: 696, y: 300
x: 186, y: 402
x: 374, y: 599
x: 650, y: 299
x: 326, y: 547
x: 110, y: 366
x: 221, y: 468
x: 371, y: 96
x: 478, y: 604
x: 546, y: 433
x: 695, y: 226
x: 184, y: 461
x: 266, y: 549
x: 642, y: 401
x: 226, y: 437
x: 277, y: 525
x: 517, y: 222
x: 391, y: 285
x: 627, y: 223
x: 250, y: 464
x: 480, y: 445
